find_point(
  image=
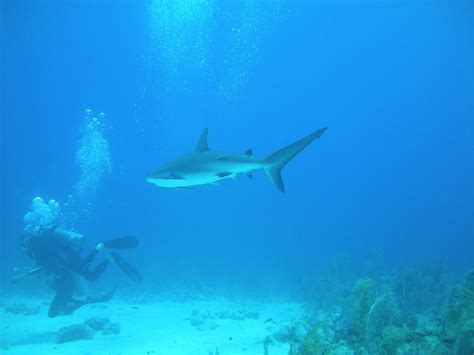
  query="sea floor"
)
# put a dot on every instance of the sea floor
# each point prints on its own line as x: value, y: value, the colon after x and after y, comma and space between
x: 150, y: 324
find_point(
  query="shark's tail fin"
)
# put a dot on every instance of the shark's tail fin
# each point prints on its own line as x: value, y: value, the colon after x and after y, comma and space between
x: 275, y: 162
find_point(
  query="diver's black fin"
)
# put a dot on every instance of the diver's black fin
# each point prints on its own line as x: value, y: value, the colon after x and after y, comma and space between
x: 122, y: 243
x: 127, y: 269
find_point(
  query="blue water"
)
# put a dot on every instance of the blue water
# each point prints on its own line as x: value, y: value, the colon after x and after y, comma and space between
x: 389, y: 185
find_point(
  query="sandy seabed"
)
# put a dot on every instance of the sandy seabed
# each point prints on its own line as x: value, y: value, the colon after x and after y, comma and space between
x: 152, y: 325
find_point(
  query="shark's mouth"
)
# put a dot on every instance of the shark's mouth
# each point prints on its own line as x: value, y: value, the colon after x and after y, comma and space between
x: 170, y: 176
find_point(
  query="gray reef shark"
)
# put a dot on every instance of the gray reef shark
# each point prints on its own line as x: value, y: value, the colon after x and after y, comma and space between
x: 206, y: 166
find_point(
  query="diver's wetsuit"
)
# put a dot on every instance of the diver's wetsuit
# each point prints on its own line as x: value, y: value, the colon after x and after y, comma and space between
x: 62, y: 261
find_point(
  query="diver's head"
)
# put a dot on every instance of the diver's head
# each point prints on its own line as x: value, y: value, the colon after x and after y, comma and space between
x: 42, y: 216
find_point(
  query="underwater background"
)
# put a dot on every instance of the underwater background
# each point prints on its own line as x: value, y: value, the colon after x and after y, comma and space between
x: 96, y: 95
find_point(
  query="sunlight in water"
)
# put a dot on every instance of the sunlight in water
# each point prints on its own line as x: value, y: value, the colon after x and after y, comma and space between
x: 215, y: 41
x: 181, y: 29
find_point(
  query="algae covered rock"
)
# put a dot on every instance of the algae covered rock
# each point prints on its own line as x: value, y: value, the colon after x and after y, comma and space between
x: 104, y: 324
x: 111, y: 328
x: 22, y: 309
x: 197, y: 321
x: 97, y: 323
x: 75, y: 332
x: 87, y: 329
x: 207, y: 325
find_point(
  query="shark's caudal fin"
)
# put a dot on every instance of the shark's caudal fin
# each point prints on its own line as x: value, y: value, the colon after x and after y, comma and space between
x: 275, y: 162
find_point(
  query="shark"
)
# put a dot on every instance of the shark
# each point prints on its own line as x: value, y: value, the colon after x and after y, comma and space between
x: 205, y: 166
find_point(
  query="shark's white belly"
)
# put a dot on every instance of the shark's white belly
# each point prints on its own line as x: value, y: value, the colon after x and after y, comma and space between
x: 206, y: 174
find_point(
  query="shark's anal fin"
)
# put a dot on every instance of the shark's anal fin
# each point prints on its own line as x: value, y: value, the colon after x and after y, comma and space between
x: 224, y: 174
x: 202, y: 143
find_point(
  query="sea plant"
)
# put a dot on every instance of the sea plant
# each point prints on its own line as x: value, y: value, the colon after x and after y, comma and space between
x: 458, y: 317
x: 364, y: 294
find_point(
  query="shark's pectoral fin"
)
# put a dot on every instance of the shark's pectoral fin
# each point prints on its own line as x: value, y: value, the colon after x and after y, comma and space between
x: 224, y: 174
x: 249, y: 175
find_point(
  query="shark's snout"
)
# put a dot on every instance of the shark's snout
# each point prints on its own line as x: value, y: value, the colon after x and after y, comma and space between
x: 153, y: 177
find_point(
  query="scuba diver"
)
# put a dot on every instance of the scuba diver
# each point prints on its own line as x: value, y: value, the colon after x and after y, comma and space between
x: 57, y: 253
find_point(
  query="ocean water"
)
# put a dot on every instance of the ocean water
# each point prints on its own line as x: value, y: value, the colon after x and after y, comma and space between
x: 368, y: 251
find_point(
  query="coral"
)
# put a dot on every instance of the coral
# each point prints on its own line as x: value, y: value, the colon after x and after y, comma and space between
x: 379, y: 330
x: 290, y: 332
x: 458, y: 317
x: 392, y: 339
x: 392, y: 316
x: 465, y: 343
x: 363, y: 298
x: 314, y: 343
x: 374, y: 319
x: 382, y: 313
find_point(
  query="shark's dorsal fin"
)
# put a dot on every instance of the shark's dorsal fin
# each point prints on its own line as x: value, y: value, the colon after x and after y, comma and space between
x: 202, y: 143
x: 249, y: 153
